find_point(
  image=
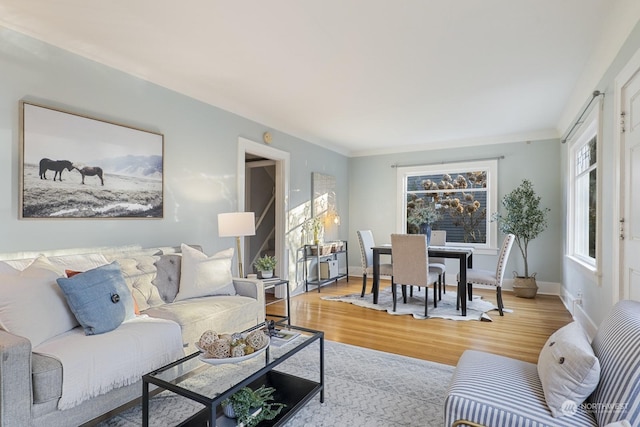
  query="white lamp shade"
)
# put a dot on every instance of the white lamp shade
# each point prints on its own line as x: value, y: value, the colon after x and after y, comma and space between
x: 234, y: 224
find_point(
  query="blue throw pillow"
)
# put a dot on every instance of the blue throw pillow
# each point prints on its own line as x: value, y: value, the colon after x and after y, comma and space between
x: 99, y: 298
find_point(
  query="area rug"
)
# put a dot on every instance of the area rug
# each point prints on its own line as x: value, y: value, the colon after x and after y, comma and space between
x: 362, y: 388
x: 477, y: 309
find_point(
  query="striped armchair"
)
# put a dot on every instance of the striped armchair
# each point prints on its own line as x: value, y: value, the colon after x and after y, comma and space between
x: 492, y: 390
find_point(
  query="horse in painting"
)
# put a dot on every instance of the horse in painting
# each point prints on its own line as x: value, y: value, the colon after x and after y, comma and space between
x: 55, y: 165
x: 91, y: 171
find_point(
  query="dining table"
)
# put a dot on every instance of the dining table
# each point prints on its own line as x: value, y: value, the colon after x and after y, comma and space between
x: 463, y: 253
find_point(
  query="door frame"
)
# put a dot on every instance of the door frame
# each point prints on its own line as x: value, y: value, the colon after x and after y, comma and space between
x: 630, y: 69
x: 282, y: 161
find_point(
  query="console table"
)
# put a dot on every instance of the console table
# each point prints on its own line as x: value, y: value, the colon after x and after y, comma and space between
x: 316, y: 252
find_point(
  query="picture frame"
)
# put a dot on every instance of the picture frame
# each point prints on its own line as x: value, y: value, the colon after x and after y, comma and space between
x: 75, y: 166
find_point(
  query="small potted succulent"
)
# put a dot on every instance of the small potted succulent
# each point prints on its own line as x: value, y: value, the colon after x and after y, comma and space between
x: 265, y: 265
x: 250, y: 407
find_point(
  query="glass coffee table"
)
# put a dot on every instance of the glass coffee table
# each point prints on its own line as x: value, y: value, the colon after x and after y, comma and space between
x: 209, y: 384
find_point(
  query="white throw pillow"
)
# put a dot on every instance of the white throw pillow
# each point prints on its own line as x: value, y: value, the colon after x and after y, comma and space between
x: 201, y: 275
x: 568, y: 369
x: 32, y: 305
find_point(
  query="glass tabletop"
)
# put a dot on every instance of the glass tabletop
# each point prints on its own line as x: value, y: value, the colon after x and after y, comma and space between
x: 210, y: 383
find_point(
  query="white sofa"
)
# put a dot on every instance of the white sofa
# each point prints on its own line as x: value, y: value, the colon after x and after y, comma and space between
x: 54, y: 374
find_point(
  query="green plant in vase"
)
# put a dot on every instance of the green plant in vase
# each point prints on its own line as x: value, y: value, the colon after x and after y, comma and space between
x: 250, y: 407
x: 265, y: 265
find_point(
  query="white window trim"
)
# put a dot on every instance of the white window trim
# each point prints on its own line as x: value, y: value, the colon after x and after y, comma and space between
x: 491, y: 166
x: 592, y: 125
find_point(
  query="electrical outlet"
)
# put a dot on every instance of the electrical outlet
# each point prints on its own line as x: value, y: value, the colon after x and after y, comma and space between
x: 578, y: 299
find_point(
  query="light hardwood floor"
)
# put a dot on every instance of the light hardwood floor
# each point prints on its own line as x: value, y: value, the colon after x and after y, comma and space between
x: 520, y: 334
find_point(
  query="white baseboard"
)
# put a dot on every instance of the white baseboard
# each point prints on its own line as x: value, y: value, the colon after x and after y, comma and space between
x: 578, y: 313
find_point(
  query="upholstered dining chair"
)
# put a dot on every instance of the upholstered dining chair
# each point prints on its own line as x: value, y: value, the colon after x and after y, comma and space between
x: 437, y: 265
x: 365, y: 238
x: 410, y: 266
x: 492, y: 278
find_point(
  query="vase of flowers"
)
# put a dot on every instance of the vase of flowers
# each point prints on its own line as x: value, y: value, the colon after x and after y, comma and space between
x: 421, y: 216
x: 314, y: 225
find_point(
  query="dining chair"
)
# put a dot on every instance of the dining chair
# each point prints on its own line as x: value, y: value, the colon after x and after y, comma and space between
x: 489, y: 277
x: 411, y: 266
x: 365, y: 238
x: 437, y: 265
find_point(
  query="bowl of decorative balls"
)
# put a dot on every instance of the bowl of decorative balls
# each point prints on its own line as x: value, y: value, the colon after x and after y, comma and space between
x: 217, y: 349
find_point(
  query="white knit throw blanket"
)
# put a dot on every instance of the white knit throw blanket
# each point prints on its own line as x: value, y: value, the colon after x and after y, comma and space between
x: 96, y: 364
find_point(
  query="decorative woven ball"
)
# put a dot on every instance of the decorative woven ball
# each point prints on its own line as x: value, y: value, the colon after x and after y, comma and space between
x: 220, y: 349
x: 207, y: 338
x: 225, y: 337
x: 238, y: 351
x: 257, y: 339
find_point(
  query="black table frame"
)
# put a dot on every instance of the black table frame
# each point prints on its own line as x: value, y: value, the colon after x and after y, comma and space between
x: 273, y: 286
x: 212, y: 404
x: 465, y: 258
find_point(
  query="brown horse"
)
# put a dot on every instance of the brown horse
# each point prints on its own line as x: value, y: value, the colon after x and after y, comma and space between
x: 55, y: 165
x: 91, y: 171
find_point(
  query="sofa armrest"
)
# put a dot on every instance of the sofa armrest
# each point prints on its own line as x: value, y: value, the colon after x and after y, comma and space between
x: 15, y: 380
x: 253, y: 288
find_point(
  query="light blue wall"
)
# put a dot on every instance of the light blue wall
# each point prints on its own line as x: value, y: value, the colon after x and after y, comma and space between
x: 373, y: 193
x: 200, y: 151
x: 598, y: 292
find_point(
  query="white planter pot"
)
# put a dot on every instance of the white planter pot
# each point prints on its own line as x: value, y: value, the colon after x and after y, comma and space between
x: 266, y: 274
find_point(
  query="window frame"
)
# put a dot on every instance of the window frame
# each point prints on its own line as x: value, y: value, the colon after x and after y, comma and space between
x: 488, y: 165
x: 591, y: 127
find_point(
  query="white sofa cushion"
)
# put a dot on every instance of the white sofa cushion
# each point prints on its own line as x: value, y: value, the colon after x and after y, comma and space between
x: 202, y: 275
x: 32, y: 304
x: 96, y: 364
x: 569, y: 370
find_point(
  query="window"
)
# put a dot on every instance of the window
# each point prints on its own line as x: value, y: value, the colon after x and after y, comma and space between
x: 583, y: 206
x: 463, y: 195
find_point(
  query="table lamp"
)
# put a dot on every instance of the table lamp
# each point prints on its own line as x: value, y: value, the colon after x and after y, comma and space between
x: 237, y: 224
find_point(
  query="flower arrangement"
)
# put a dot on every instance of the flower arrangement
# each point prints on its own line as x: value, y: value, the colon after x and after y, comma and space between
x: 266, y: 263
x: 313, y: 225
x: 420, y: 212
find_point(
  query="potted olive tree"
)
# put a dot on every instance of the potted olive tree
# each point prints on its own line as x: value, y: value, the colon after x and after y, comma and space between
x: 525, y: 219
x: 265, y: 265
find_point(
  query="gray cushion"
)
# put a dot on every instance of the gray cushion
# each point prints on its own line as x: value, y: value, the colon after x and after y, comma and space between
x: 46, y: 377
x: 167, y: 279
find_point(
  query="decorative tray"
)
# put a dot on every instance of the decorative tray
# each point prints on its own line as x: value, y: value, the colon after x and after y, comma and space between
x: 222, y: 361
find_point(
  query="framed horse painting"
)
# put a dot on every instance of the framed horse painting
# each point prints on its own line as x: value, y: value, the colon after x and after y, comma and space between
x: 74, y: 166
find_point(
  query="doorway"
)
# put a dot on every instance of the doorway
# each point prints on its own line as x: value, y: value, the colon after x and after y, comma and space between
x: 268, y: 200
x: 628, y: 94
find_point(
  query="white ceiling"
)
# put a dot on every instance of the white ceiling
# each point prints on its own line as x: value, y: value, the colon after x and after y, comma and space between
x: 358, y: 76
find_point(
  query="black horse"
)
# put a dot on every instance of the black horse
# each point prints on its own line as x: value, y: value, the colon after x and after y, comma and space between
x: 55, y: 165
x: 91, y: 171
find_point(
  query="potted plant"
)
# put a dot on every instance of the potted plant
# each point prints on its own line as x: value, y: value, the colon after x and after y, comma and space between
x: 314, y: 225
x: 525, y: 219
x: 421, y: 216
x: 250, y: 407
x: 265, y: 265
